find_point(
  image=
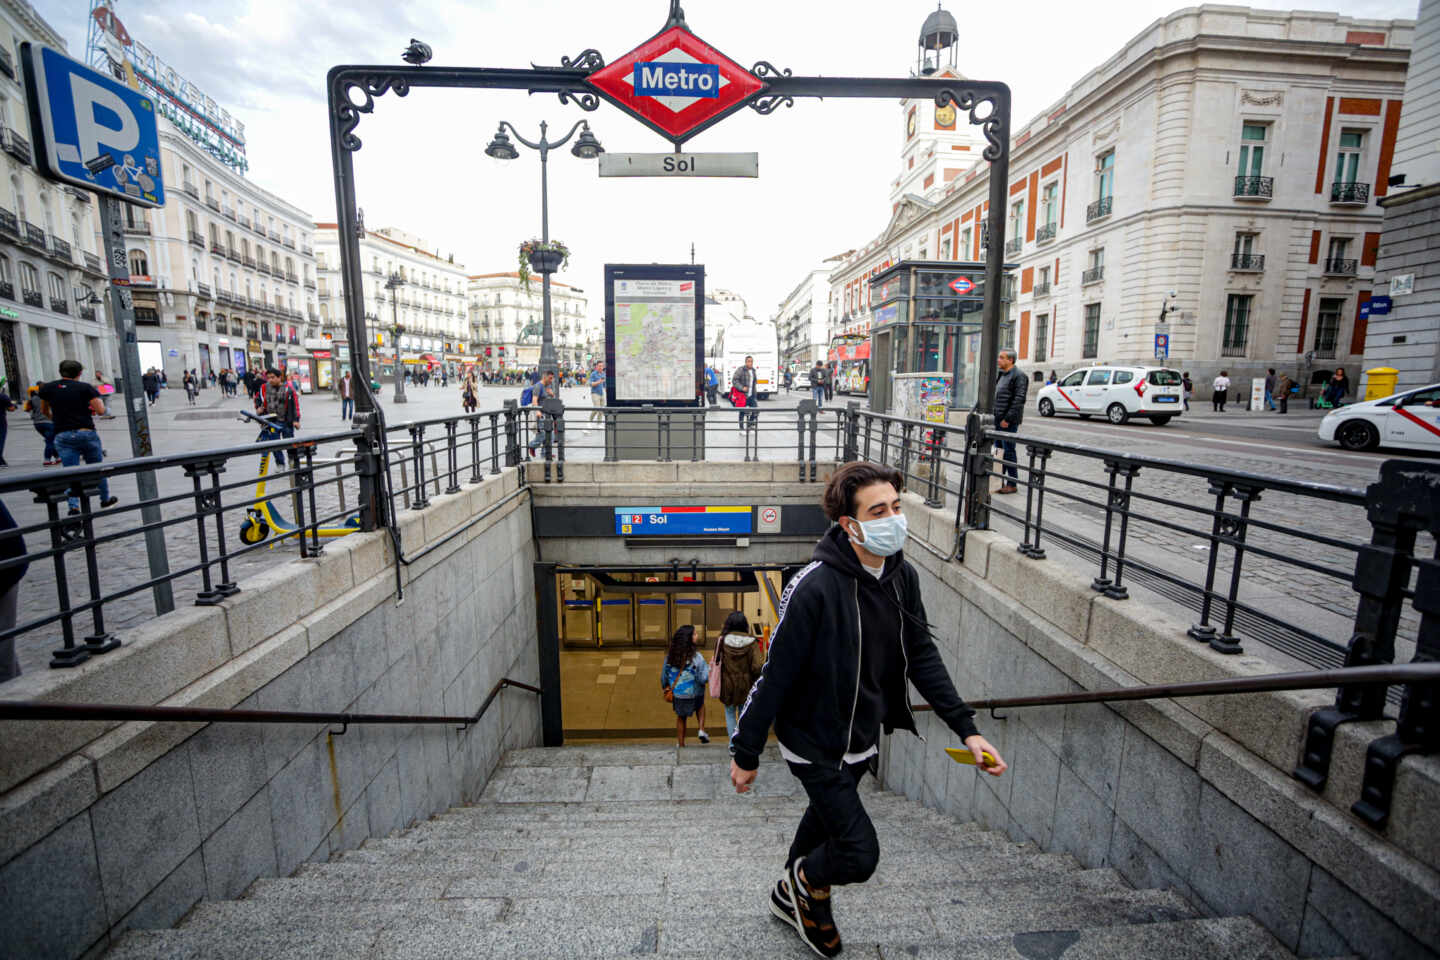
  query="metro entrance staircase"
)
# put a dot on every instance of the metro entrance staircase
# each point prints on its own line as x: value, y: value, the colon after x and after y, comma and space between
x: 633, y: 850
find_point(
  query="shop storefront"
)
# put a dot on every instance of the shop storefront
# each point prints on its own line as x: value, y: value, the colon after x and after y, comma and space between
x: 926, y: 317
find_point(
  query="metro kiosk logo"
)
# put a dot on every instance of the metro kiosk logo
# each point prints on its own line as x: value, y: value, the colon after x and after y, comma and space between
x: 676, y: 84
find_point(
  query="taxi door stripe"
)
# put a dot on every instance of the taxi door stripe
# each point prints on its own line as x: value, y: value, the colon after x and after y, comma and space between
x: 1067, y: 398
x: 1414, y: 419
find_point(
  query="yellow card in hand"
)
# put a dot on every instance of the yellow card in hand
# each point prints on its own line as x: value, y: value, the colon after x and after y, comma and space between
x: 962, y: 755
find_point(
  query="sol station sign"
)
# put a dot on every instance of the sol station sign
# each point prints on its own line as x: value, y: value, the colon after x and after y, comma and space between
x: 676, y: 84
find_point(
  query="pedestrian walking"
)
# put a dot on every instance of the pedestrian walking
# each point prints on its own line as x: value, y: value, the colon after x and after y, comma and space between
x: 469, y: 399
x: 192, y: 387
x: 72, y: 405
x: 1221, y: 388
x: 347, y: 396
x: 740, y: 660
x: 1336, y: 387
x: 839, y: 668
x: 280, y: 402
x: 1270, y: 389
x: 1283, y: 386
x: 682, y: 680
x: 1010, y: 390
x: 12, y: 569
x: 817, y: 383
x: 106, y: 388
x: 745, y: 380
x: 542, y: 388
x: 597, y: 392
x: 6, y: 405
x: 1187, y: 388
x: 831, y: 372
x: 43, y: 424
x: 150, y: 382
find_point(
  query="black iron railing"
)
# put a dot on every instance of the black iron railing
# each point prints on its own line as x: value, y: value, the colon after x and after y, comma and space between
x: 1100, y: 208
x: 1247, y: 261
x: 1257, y: 188
x: 9, y: 223
x: 1045, y: 232
x: 1341, y: 266
x: 1013, y: 246
x: 1093, y: 275
x: 1350, y: 193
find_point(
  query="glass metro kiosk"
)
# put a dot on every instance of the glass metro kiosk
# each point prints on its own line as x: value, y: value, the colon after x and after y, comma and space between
x: 620, y: 609
x: 925, y: 313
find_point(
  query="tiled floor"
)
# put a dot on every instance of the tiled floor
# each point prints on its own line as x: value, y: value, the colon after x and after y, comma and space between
x: 615, y: 692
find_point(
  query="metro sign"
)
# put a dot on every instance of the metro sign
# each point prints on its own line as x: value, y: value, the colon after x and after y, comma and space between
x: 676, y: 84
x: 962, y: 285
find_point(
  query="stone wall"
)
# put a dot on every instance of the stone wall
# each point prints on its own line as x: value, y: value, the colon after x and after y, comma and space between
x: 1192, y: 794
x: 105, y: 827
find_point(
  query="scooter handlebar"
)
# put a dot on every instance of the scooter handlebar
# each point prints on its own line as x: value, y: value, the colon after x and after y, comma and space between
x: 265, y: 421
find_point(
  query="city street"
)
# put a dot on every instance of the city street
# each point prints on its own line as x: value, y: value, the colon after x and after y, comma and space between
x: 1260, y: 443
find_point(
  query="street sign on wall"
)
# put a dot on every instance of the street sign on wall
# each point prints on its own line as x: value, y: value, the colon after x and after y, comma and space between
x: 79, y: 115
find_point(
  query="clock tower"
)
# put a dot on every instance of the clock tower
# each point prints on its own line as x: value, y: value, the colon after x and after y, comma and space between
x: 939, y: 144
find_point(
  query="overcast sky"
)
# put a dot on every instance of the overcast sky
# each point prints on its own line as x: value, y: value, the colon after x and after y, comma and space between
x: 825, y: 167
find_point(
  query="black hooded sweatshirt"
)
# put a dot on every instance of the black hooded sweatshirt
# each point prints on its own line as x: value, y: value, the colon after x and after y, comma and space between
x: 841, y: 652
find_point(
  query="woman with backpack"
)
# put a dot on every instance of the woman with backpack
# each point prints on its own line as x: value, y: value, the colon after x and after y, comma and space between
x: 682, y: 680
x: 740, y: 659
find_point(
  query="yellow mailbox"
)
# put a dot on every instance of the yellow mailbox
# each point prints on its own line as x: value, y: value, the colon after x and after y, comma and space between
x: 1380, y: 382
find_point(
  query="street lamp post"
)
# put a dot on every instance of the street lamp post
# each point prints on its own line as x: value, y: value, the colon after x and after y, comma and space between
x: 393, y: 284
x: 586, y: 148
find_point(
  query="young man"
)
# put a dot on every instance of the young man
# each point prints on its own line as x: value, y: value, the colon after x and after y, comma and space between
x: 597, y: 392
x: 281, y: 402
x: 817, y: 383
x: 347, y: 396
x: 747, y: 381
x: 850, y: 634
x: 73, y: 406
x: 543, y: 389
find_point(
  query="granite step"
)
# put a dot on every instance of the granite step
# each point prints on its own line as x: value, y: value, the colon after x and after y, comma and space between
x: 613, y: 866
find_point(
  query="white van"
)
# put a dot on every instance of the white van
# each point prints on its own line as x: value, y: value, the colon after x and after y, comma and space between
x: 1118, y: 393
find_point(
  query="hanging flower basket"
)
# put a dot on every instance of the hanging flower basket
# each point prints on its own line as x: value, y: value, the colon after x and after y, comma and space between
x: 539, y: 257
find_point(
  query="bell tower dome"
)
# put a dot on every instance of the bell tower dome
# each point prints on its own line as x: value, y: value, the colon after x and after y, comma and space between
x: 939, y: 41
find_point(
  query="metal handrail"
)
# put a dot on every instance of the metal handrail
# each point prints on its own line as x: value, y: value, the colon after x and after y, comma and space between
x: 1265, y: 683
x: 38, y: 710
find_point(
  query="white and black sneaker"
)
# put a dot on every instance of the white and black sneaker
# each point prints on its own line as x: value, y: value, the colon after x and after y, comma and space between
x: 813, y: 919
x: 702, y: 736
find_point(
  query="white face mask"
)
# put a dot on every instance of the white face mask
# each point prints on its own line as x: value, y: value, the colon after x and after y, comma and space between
x: 883, y: 537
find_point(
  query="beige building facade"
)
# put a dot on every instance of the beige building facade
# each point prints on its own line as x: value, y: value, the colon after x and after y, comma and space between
x: 506, y: 320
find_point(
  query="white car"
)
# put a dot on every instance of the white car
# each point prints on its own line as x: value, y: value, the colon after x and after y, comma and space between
x: 1409, y: 419
x: 802, y: 380
x: 1115, y: 392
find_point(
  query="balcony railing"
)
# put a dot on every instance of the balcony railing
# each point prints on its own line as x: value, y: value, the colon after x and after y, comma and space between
x: 1341, y: 267
x: 1325, y: 353
x: 7, y: 290
x: 197, y: 239
x: 232, y: 254
x: 16, y: 145
x: 1093, y: 275
x: 34, y: 235
x: 307, y: 250
x: 292, y: 277
x: 1012, y: 247
x: 275, y: 235
x: 1045, y: 233
x: 60, y: 306
x: 61, y: 249
x: 1357, y: 193
x: 7, y: 64
x: 244, y: 222
x: 191, y: 189
x: 213, y: 204
x: 1255, y: 188
x: 1247, y: 261
x: 1232, y: 349
x: 218, y: 248
x: 1042, y: 289
x: 92, y: 261
x: 138, y: 226
x: 261, y: 266
x: 1099, y: 209
x: 9, y: 223
x: 33, y: 298
x: 87, y: 313
x: 203, y: 289
x: 230, y: 212
x: 287, y: 242
x: 309, y: 284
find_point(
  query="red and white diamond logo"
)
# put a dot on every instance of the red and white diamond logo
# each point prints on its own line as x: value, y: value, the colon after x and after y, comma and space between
x: 676, y: 84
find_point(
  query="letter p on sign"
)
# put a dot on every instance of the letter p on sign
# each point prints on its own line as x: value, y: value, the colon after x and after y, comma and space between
x: 79, y: 115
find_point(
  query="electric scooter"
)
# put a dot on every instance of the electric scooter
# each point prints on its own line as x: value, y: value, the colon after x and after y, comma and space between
x: 264, y: 518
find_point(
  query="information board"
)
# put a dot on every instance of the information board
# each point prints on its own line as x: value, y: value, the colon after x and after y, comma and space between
x: 654, y: 334
x: 682, y: 521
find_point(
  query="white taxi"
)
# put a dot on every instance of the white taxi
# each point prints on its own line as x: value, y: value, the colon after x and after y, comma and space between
x: 1408, y: 419
x: 1117, y: 393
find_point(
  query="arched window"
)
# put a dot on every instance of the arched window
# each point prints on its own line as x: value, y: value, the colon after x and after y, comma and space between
x: 139, y: 264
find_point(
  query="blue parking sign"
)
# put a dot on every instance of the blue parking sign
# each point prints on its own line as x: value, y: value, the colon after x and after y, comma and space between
x: 1162, y: 346
x: 79, y: 115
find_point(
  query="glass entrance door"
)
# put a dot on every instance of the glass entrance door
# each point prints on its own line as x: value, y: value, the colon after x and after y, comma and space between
x: 652, y: 620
